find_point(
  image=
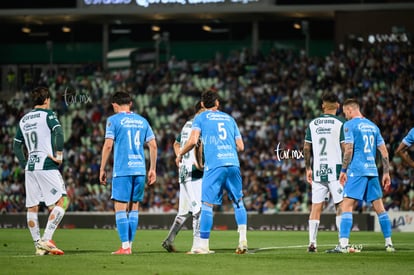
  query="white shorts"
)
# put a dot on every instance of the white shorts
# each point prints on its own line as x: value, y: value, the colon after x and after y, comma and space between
x: 320, y: 191
x: 43, y: 185
x: 190, y: 197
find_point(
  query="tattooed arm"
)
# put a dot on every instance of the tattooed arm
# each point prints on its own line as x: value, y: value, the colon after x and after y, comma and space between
x: 348, y: 152
x: 386, y: 180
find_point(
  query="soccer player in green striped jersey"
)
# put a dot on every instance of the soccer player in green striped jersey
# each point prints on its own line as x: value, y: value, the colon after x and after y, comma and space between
x: 41, y: 133
x: 323, y: 144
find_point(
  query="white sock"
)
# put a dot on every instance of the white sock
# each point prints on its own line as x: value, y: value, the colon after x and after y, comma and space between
x: 204, y: 243
x: 242, y: 229
x: 388, y: 241
x: 196, y: 243
x: 338, y: 223
x: 196, y: 231
x: 125, y: 245
x: 313, y: 231
x: 53, y: 222
x: 33, y: 224
x: 344, y: 242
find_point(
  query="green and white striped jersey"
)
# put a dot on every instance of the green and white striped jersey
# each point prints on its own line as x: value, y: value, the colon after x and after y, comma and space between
x: 35, y: 130
x: 325, y: 133
x: 188, y: 170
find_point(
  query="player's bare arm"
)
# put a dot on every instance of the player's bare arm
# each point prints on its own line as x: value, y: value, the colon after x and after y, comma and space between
x: 176, y: 147
x: 348, y: 152
x: 386, y: 180
x: 343, y: 148
x: 106, y: 151
x: 152, y: 175
x: 199, y: 155
x: 239, y: 145
x: 402, y: 152
x: 191, y: 142
x: 307, y: 151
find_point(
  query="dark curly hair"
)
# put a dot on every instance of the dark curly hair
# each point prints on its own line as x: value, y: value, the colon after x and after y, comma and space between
x: 39, y: 95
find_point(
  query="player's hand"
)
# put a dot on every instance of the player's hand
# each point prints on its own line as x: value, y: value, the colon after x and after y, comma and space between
x: 309, y: 176
x: 152, y: 177
x: 386, y: 182
x: 342, y: 178
x: 58, y: 159
x: 178, y: 160
x: 102, y: 177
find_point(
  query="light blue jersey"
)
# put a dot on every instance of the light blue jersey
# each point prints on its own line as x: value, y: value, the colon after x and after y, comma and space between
x: 366, y: 137
x: 219, y: 132
x: 409, y: 138
x: 130, y: 132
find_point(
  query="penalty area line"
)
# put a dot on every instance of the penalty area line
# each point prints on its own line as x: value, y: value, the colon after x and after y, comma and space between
x: 284, y: 247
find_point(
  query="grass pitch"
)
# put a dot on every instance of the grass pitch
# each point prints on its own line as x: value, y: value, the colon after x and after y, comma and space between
x: 88, y: 251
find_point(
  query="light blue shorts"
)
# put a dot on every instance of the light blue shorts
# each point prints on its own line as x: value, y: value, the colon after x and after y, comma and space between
x: 128, y: 188
x: 363, y: 188
x: 218, y: 179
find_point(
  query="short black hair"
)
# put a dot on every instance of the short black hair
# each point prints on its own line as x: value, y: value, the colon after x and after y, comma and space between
x: 209, y: 98
x: 330, y: 97
x: 39, y: 95
x: 121, y: 98
x: 197, y: 107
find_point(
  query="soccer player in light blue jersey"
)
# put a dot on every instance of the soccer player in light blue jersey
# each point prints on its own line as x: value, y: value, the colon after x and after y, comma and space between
x: 402, y: 149
x: 222, y: 141
x: 359, y: 173
x: 127, y: 133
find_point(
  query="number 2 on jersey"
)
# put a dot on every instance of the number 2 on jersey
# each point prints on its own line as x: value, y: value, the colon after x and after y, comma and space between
x: 322, y: 142
x: 134, y: 140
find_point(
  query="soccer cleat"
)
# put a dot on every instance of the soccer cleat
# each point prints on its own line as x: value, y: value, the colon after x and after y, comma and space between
x: 242, y: 248
x: 168, y: 246
x: 122, y: 251
x: 200, y: 251
x: 389, y: 248
x: 312, y: 248
x: 39, y: 250
x: 333, y: 250
x: 50, y: 247
x: 347, y: 249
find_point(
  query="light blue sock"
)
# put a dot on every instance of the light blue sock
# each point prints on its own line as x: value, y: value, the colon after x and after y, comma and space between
x: 346, y: 225
x: 385, y: 223
x: 133, y: 224
x: 122, y: 225
x: 206, y: 221
x: 240, y: 213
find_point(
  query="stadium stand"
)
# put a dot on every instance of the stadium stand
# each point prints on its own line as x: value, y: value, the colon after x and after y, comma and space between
x: 272, y: 96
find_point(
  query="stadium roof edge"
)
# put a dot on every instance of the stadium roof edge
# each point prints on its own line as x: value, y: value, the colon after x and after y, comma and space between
x: 177, y: 13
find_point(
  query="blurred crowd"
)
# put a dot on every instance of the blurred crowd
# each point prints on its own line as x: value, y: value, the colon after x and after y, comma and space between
x: 272, y: 97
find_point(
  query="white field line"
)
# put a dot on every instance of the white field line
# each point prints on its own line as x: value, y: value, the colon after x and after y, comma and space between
x: 252, y: 251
